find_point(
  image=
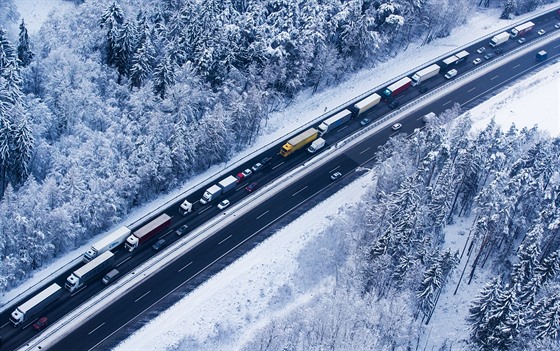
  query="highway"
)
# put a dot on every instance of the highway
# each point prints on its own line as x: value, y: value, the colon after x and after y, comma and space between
x: 138, y: 306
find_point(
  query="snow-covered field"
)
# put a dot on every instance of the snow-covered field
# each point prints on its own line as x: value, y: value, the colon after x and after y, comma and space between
x: 244, y: 296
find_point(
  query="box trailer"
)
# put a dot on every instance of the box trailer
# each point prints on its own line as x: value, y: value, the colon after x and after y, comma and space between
x: 499, y: 39
x: 396, y: 88
x: 89, y: 271
x: 425, y: 74
x: 522, y: 29
x: 109, y: 242
x: 334, y: 121
x: 367, y: 103
x: 147, y: 231
x: 462, y: 56
x: 299, y: 141
x: 36, y: 304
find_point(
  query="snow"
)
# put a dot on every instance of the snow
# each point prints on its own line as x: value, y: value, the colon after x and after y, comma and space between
x: 248, y: 294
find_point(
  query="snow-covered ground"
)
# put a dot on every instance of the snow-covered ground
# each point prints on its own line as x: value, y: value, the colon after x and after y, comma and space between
x: 240, y: 297
x: 35, y: 12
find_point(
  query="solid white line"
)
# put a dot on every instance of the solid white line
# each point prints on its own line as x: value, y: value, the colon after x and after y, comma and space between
x: 557, y: 46
x: 206, y: 209
x: 300, y: 190
x: 346, y: 126
x: 140, y: 298
x: 448, y: 102
x: 365, y: 150
x: 5, y: 324
x: 100, y: 325
x: 496, y: 76
x: 123, y: 261
x: 516, y: 65
x: 334, y: 169
x: 224, y: 240
x: 263, y: 214
x: 77, y: 291
x: 278, y: 165
x: 468, y: 91
x: 185, y: 266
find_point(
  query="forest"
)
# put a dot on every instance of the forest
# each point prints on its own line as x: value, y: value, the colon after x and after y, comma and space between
x: 391, y: 261
x: 113, y: 104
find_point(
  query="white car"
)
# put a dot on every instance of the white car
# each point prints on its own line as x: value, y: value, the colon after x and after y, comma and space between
x: 557, y: 26
x: 336, y: 175
x: 396, y: 126
x: 541, y: 32
x: 450, y: 74
x: 257, y: 167
x: 223, y: 204
x: 522, y: 40
x: 247, y: 172
x: 477, y: 61
x: 481, y: 50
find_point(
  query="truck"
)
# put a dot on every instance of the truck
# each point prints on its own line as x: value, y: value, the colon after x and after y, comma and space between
x: 36, y: 304
x: 334, y: 121
x: 451, y: 60
x: 396, y: 88
x: 299, y: 141
x: 424, y: 74
x: 499, y: 39
x: 521, y: 29
x: 316, y: 145
x: 186, y: 207
x: 107, y: 243
x: 148, y: 231
x: 367, y: 103
x: 90, y: 270
x: 462, y: 56
x: 216, y: 190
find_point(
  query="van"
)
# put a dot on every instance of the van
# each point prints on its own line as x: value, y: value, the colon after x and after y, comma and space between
x: 541, y: 55
x: 109, y: 277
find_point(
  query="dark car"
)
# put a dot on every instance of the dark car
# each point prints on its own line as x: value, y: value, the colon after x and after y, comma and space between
x: 41, y: 323
x: 488, y: 56
x: 158, y: 245
x: 252, y: 187
x: 182, y: 229
x: 499, y: 51
x: 394, y: 104
x: 422, y: 89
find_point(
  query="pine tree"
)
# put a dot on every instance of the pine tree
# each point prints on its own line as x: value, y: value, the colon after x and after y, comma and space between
x: 548, y: 323
x: 549, y: 268
x: 124, y: 48
x: 25, y: 55
x: 164, y: 76
x: 141, y: 67
x: 432, y: 282
x: 480, y: 309
x: 112, y: 20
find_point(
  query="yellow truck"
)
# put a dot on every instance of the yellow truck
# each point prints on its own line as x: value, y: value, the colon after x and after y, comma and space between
x: 299, y: 141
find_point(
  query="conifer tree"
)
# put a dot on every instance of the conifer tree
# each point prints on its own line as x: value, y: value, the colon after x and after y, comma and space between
x: 25, y: 55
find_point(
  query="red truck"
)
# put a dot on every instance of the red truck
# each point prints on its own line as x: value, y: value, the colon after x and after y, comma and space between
x: 396, y: 88
x: 147, y: 232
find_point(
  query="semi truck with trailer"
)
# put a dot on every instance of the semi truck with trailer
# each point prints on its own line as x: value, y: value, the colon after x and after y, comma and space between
x: 216, y: 190
x: 186, y: 207
x: 334, y: 121
x: 451, y: 60
x: 499, y: 39
x: 147, y: 231
x: 299, y: 141
x: 425, y: 74
x: 521, y: 29
x: 462, y: 56
x: 316, y: 145
x: 396, y: 88
x: 89, y: 271
x: 107, y: 243
x: 35, y: 305
x: 367, y: 103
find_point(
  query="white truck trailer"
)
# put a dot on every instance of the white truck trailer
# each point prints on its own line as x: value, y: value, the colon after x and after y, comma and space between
x: 522, y: 29
x: 222, y: 187
x: 109, y: 242
x: 425, y: 74
x: 89, y: 270
x: 36, y: 304
x: 499, y: 39
x: 334, y: 121
x: 367, y: 103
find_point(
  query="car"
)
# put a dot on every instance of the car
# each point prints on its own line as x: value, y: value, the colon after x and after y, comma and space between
x: 477, y: 61
x: 499, y: 51
x: 521, y: 40
x: 158, y: 245
x: 481, y: 50
x: 257, y: 167
x: 252, y: 187
x: 223, y: 204
x: 182, y: 229
x: 423, y: 88
x: 450, y: 74
x: 396, y: 126
x: 541, y: 32
x: 365, y: 121
x: 488, y: 56
x: 242, y: 175
x: 41, y: 323
x: 336, y: 175
x: 557, y: 25
x: 109, y: 277
x: 394, y: 104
